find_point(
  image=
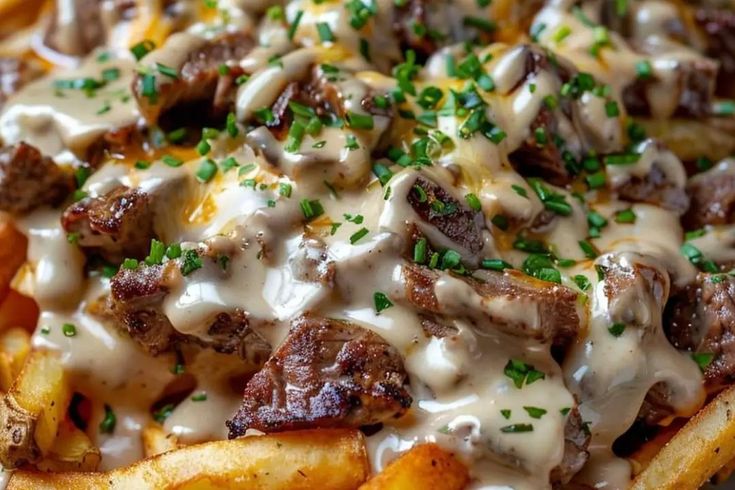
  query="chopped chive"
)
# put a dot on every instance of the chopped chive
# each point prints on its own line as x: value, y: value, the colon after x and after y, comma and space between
x: 311, y: 208
x: 284, y: 189
x: 359, y: 121
x: 107, y: 426
x: 69, y: 329
x: 191, y: 262
x: 130, y: 264
x: 156, y: 254
x: 167, y: 71
x: 325, y: 32
x: 172, y: 161
x: 381, y: 302
x: 495, y: 264
x: 625, y: 216
x: 703, y: 359
x: 535, y: 412
x: 473, y: 201
x: 142, y: 48
x: 616, y: 329
x: 419, y: 251
x: 199, y: 397
x: 295, y: 24
x: 206, y: 171
x: 358, y: 235
x: 643, y: 69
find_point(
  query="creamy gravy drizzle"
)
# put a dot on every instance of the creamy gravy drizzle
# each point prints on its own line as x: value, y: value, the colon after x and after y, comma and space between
x: 458, y: 383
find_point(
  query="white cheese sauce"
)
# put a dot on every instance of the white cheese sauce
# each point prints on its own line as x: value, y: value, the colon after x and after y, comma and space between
x: 460, y: 390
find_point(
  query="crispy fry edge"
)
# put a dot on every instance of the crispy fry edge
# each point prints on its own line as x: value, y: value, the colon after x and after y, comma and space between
x: 311, y: 459
x: 697, y: 451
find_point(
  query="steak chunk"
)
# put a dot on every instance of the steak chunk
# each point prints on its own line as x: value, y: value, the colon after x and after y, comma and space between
x: 546, y: 160
x: 554, y: 319
x: 658, y: 178
x: 408, y: 16
x: 576, y: 440
x: 199, y: 81
x: 655, y: 189
x: 701, y: 319
x: 693, y: 94
x: 116, y: 225
x: 718, y: 24
x: 327, y: 373
x: 712, y: 197
x: 136, y: 303
x: 451, y: 217
x: 29, y: 180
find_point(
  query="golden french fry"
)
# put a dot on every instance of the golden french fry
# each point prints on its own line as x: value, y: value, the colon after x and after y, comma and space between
x: 17, y: 310
x: 12, y: 253
x: 424, y: 466
x: 32, y: 410
x: 156, y: 441
x: 15, y: 344
x: 307, y: 460
x: 16, y: 14
x: 697, y: 451
x: 641, y: 458
x: 690, y: 139
x: 72, y: 451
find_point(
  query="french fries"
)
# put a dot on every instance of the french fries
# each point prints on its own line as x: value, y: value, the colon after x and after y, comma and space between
x: 15, y: 344
x: 697, y: 451
x: 690, y: 139
x: 12, y: 253
x: 424, y: 466
x: 72, y: 451
x: 309, y: 460
x: 156, y: 441
x: 17, y: 310
x: 30, y: 413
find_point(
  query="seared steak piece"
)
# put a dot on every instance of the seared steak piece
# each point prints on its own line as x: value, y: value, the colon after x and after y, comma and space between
x: 408, y: 16
x: 576, y: 440
x: 696, y: 87
x: 321, y: 92
x: 14, y: 73
x: 661, y: 182
x: 199, y: 80
x: 718, y: 24
x: 535, y: 159
x: 136, y: 300
x: 555, y: 309
x: 654, y: 189
x: 701, y: 319
x: 116, y: 225
x: 453, y: 218
x: 78, y: 32
x: 545, y: 157
x: 712, y: 197
x: 327, y: 373
x: 29, y: 180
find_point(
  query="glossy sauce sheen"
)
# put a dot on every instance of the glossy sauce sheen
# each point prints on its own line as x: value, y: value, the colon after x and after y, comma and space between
x: 457, y: 382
